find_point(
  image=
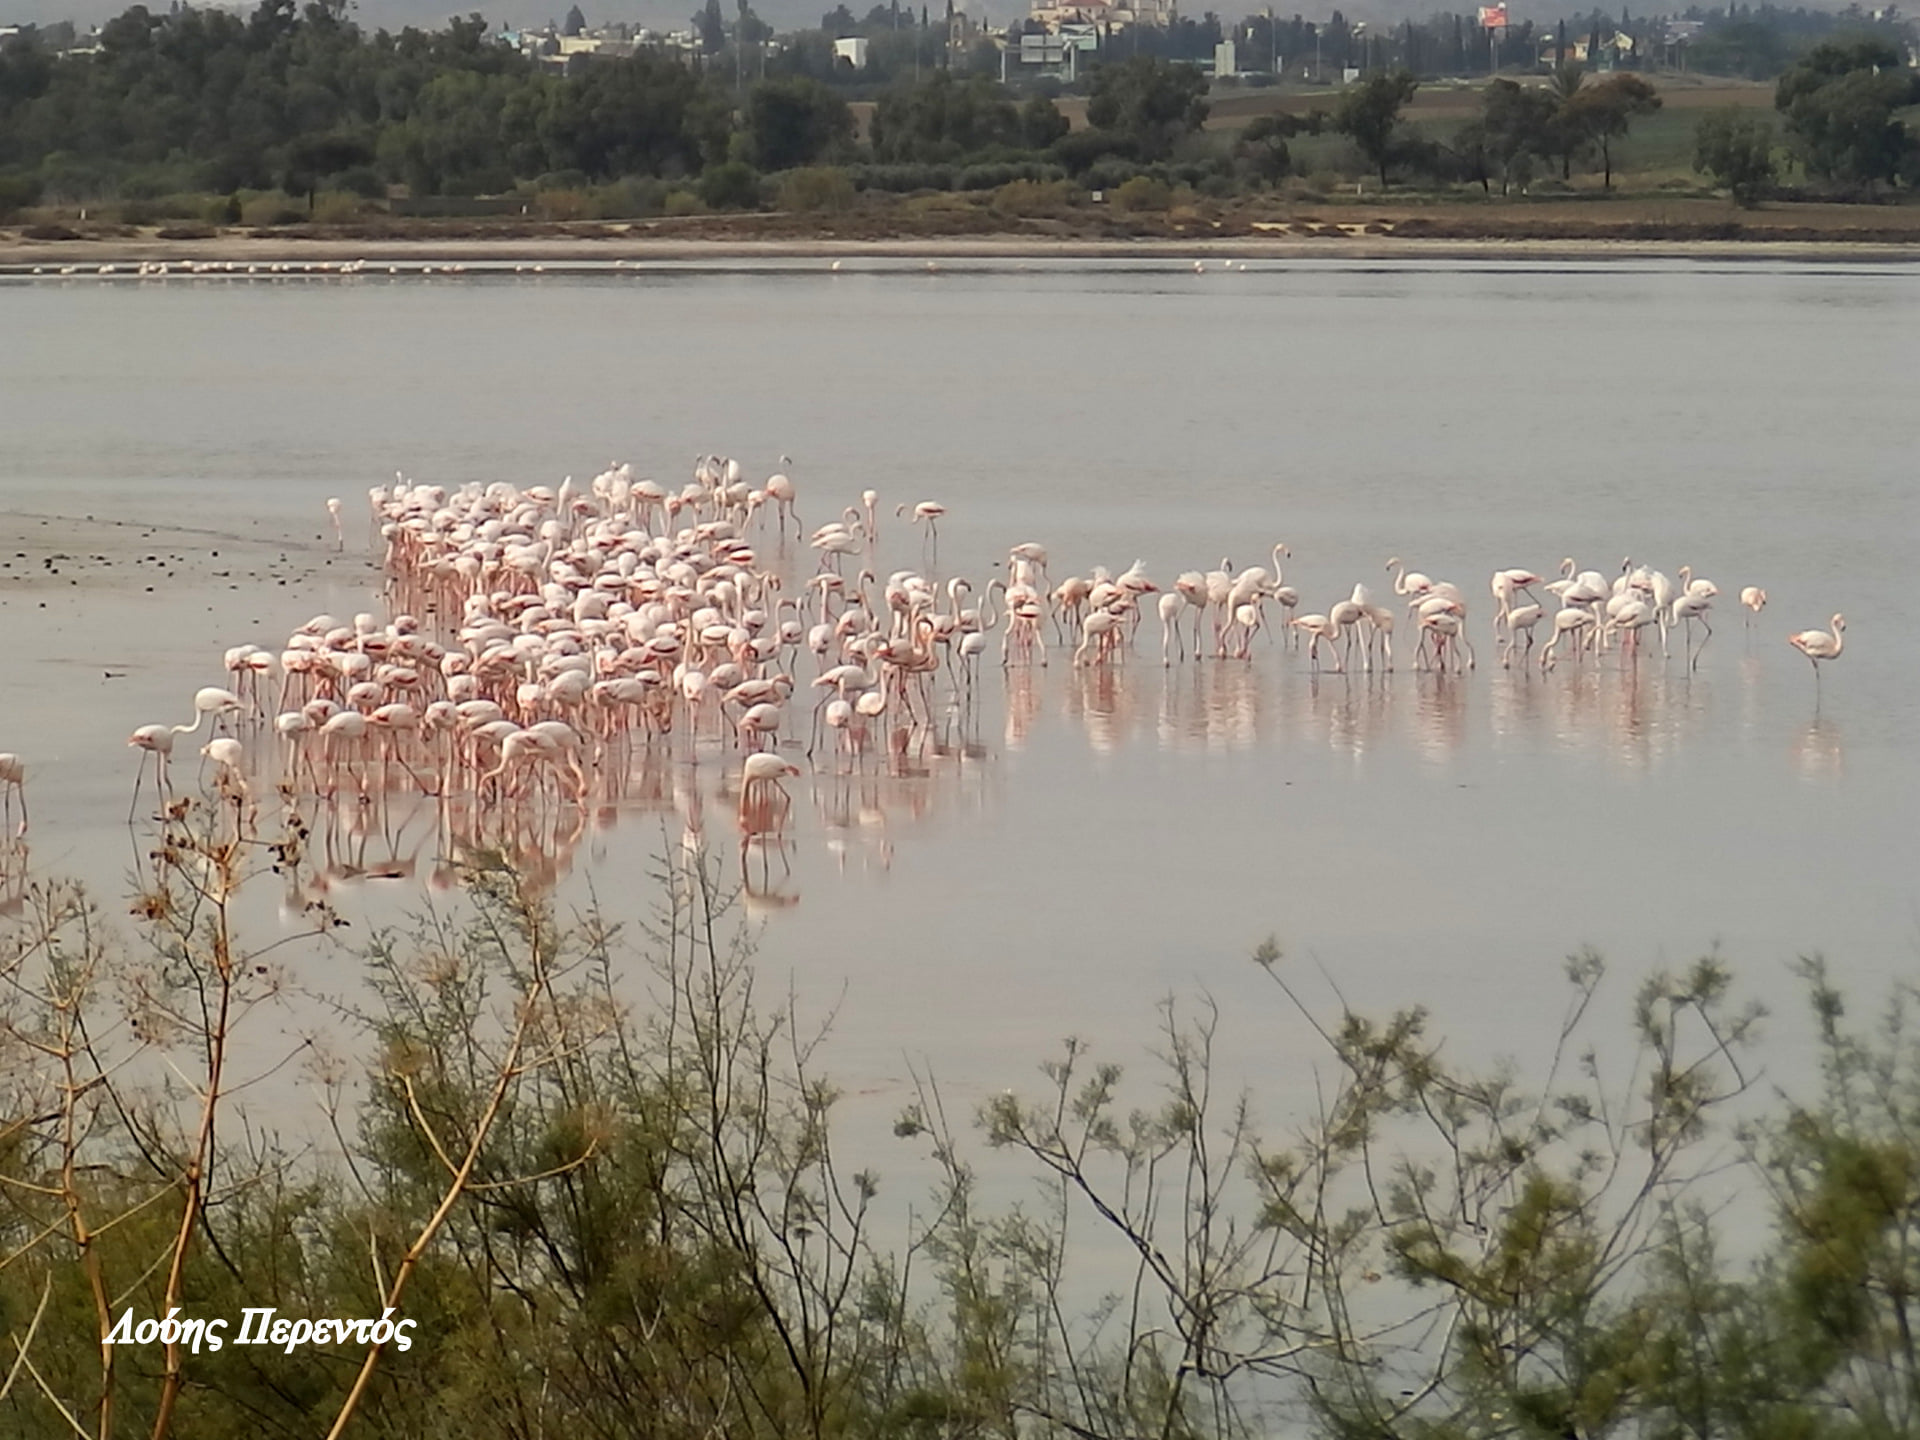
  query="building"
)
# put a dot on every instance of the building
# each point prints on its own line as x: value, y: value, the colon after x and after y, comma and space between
x: 1105, y: 14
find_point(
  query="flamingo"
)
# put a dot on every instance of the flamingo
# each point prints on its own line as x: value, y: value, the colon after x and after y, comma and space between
x: 779, y: 488
x: 230, y: 776
x: 157, y: 741
x: 1414, y: 584
x: 1570, y: 619
x: 1379, y: 620
x: 1521, y: 618
x: 13, y: 781
x: 1345, y: 617
x: 1816, y: 645
x: 1506, y: 585
x: 927, y: 513
x: 210, y: 701
x: 1101, y: 633
x: 1172, y: 603
x: 1320, y: 627
x: 1632, y: 616
x: 760, y: 777
x: 1691, y: 605
x: 1755, y: 599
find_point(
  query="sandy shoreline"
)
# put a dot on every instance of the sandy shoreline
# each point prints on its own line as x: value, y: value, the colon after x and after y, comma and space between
x: 21, y: 257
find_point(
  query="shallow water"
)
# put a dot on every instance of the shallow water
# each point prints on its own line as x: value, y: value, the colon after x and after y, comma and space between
x: 1092, y: 841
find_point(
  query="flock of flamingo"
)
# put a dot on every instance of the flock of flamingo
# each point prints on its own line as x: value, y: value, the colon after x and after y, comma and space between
x: 538, y: 639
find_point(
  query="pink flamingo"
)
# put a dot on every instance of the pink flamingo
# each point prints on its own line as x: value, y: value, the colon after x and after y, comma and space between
x: 1816, y: 645
x: 13, y: 781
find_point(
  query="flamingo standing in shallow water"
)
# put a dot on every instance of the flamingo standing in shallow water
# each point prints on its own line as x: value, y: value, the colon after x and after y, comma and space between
x: 779, y: 488
x: 13, y: 780
x: 210, y: 700
x: 763, y: 799
x: 1818, y: 645
x: 157, y: 741
x: 927, y: 513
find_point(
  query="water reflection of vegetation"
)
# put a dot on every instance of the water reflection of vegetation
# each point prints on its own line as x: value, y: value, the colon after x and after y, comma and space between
x: 610, y: 1218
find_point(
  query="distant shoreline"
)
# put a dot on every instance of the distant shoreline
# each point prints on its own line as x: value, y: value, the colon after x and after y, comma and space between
x: 19, y: 256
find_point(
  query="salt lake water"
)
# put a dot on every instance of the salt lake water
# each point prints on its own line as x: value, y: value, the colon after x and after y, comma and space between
x: 1099, y: 839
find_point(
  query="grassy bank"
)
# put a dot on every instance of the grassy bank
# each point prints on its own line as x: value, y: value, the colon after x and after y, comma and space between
x: 1019, y: 219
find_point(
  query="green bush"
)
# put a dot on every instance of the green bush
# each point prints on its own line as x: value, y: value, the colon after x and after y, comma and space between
x: 732, y: 186
x: 361, y: 180
x: 1110, y: 174
x: 816, y: 188
x: 17, y: 192
x: 271, y: 207
x: 1737, y: 150
x: 1143, y: 193
x: 681, y: 202
x: 1033, y: 197
x: 562, y: 205
x: 902, y: 179
x: 337, y: 207
x: 632, y: 198
x: 158, y: 209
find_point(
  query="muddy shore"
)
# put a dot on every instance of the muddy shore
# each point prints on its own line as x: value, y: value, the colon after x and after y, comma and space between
x: 1890, y: 236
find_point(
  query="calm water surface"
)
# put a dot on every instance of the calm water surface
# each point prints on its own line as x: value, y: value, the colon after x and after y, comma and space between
x: 1110, y: 838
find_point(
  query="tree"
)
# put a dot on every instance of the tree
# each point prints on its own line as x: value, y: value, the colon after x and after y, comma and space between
x: 1843, y: 1289
x: 1515, y: 125
x: 313, y: 158
x: 1041, y: 122
x: 575, y: 23
x: 1564, y: 136
x: 1150, y: 102
x: 1840, y: 103
x: 1601, y: 113
x: 943, y: 119
x: 1741, y: 47
x: 1369, y: 113
x: 732, y: 186
x: 750, y: 32
x: 1262, y: 146
x: 1737, y: 150
x: 644, y: 115
x: 790, y: 123
x: 711, y: 26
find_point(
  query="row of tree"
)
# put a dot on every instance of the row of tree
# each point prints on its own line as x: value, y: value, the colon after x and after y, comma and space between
x: 206, y: 100
x: 1564, y: 123
x: 1842, y: 105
